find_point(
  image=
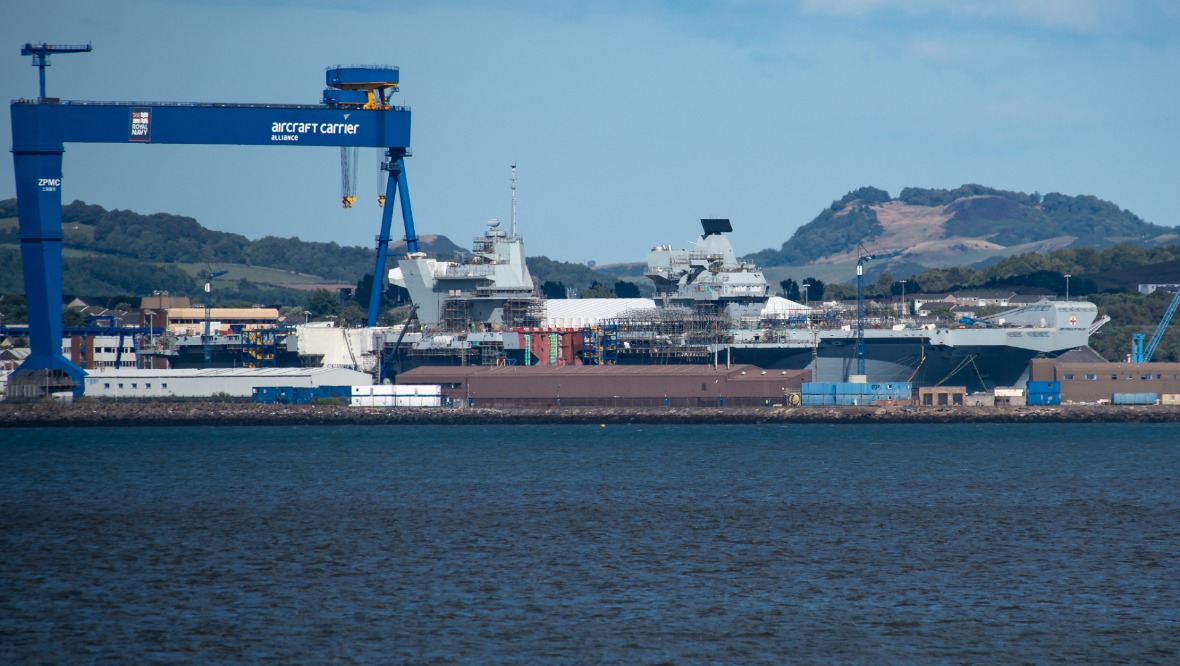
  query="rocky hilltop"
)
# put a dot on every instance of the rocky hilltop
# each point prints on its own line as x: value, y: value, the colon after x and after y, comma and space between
x: 971, y: 224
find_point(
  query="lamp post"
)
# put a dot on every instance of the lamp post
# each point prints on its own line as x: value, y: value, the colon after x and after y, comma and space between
x: 306, y: 315
x: 805, y: 285
x: 1067, y: 276
x: 903, y: 313
x: 151, y: 320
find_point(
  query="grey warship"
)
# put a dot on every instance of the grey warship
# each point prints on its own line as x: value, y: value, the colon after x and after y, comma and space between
x: 712, y: 307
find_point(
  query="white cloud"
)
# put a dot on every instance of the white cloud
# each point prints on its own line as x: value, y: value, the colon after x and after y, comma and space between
x: 1076, y: 16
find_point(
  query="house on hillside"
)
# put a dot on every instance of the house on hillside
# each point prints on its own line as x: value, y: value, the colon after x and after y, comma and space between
x: 982, y: 298
x: 1152, y: 288
x: 923, y: 302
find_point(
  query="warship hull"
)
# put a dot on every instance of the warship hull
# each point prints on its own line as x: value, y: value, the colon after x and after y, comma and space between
x: 977, y: 367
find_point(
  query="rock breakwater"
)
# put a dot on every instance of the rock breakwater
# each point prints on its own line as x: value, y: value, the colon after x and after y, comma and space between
x: 94, y: 413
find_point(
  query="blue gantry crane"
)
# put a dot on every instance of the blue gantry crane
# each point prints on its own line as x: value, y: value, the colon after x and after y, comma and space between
x: 355, y: 112
x: 1141, y: 354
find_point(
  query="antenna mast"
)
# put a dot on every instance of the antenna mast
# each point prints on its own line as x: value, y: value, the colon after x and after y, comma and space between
x: 514, y: 200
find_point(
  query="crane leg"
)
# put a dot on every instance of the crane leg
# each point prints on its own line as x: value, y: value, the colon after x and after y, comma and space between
x: 38, y: 181
x: 395, y: 187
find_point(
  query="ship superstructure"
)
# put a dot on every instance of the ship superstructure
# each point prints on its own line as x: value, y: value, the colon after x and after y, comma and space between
x: 490, y: 287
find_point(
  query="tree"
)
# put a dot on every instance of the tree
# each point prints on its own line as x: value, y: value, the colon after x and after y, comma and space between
x: 73, y: 318
x: 553, y: 289
x: 597, y: 290
x: 291, y: 314
x: 322, y: 303
x: 911, y: 286
x: 393, y: 316
x: 352, y: 314
x: 815, y: 289
x: 364, y: 290
x: 883, y: 285
x: 13, y: 309
x: 839, y: 292
x: 941, y: 312
x: 988, y: 310
x: 790, y: 289
x: 624, y: 289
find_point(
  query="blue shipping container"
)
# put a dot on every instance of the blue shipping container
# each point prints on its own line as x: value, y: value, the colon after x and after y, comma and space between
x: 266, y: 395
x: 1043, y: 398
x: 1044, y: 387
x: 1133, y: 398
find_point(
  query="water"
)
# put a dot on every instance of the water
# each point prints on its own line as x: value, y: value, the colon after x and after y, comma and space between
x: 579, y: 544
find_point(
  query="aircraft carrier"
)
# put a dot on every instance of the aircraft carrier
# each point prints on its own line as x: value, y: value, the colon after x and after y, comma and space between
x: 709, y: 307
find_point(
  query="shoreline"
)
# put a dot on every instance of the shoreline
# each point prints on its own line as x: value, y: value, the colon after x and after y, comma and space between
x: 170, y: 413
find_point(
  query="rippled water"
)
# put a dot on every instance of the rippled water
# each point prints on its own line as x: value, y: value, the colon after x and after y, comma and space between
x: 578, y: 544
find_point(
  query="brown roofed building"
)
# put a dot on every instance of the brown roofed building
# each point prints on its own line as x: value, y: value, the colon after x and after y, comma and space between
x: 1095, y: 381
x: 611, y: 385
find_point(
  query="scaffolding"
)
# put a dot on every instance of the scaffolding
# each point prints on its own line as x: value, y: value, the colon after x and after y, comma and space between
x: 523, y: 312
x: 456, y: 314
x: 259, y: 348
x: 600, y: 345
x: 672, y: 335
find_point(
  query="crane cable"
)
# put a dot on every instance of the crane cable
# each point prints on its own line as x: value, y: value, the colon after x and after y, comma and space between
x: 380, y: 179
x: 916, y: 369
x: 348, y: 158
x: 969, y: 359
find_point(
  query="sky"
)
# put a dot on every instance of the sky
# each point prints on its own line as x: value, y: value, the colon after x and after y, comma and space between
x: 628, y: 120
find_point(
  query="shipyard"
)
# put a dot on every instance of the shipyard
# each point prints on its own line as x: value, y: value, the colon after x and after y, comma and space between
x: 715, y: 333
x: 711, y: 333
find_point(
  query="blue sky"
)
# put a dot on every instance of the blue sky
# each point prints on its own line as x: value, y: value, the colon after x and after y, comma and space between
x: 628, y: 120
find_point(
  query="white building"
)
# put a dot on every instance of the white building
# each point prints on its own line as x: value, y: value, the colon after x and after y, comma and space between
x: 203, y: 383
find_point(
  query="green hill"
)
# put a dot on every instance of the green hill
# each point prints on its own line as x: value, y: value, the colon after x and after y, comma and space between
x: 117, y: 252
x: 972, y: 224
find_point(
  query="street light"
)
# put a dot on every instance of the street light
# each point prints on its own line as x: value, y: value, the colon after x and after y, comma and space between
x: 805, y: 303
x: 1067, y: 276
x: 151, y: 320
x: 306, y: 315
x: 903, y: 312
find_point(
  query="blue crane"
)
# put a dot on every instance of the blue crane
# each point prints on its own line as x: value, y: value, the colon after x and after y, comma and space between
x: 354, y: 111
x: 1141, y: 354
x: 205, y: 336
x: 42, y: 51
x: 863, y: 259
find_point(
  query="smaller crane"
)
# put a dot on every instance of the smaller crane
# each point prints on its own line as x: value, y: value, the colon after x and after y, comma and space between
x: 42, y: 51
x: 209, y: 275
x: 1140, y: 354
x: 864, y: 258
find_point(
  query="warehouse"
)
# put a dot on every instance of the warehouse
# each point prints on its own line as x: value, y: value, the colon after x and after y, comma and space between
x: 203, y: 383
x: 611, y: 385
x: 1100, y: 381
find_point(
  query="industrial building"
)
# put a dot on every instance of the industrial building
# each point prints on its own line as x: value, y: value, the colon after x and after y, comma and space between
x: 191, y: 321
x: 231, y: 382
x: 611, y: 385
x: 1100, y: 381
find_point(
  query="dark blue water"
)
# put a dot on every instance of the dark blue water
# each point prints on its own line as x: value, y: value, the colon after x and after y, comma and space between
x: 578, y: 544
